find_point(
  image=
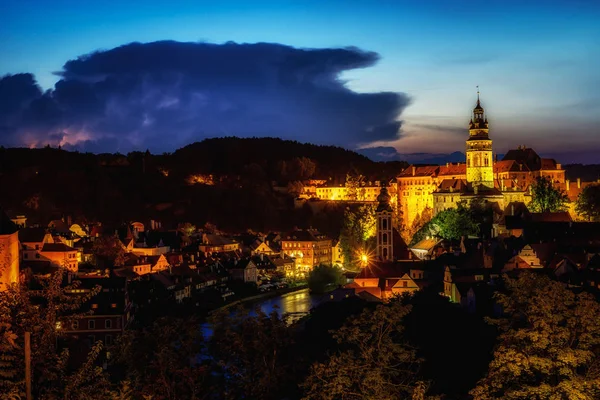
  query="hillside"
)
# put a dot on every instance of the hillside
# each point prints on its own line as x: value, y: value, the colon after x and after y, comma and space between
x: 239, y: 178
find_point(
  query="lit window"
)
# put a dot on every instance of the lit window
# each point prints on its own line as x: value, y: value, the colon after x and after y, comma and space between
x: 94, y: 306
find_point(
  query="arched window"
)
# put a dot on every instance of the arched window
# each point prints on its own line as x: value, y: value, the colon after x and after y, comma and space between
x: 385, y: 254
x: 384, y: 238
x: 384, y: 223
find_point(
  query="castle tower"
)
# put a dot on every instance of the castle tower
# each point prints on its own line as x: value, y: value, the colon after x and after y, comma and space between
x: 480, y: 166
x: 9, y: 252
x: 383, y: 214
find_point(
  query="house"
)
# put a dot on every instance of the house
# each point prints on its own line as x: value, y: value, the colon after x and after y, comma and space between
x: 385, y: 280
x: 308, y: 247
x: 60, y: 255
x: 212, y: 243
x: 537, y: 255
x: 244, y: 270
x: 109, y: 310
x: 423, y: 250
x: 32, y: 240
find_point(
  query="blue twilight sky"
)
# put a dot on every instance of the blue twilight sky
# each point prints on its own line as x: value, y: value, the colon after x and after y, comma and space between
x: 537, y: 64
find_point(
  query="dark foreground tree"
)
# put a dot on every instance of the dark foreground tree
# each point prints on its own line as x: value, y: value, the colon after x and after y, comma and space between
x: 253, y: 354
x: 545, y: 197
x: 548, y: 346
x: 324, y: 277
x: 588, y: 203
x: 164, y: 361
x: 374, y: 362
x: 43, y: 312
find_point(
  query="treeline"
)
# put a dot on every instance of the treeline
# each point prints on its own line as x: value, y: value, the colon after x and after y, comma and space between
x: 543, y: 344
x: 238, y: 192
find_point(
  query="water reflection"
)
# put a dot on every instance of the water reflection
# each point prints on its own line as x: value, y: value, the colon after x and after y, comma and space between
x: 299, y: 302
x: 296, y: 304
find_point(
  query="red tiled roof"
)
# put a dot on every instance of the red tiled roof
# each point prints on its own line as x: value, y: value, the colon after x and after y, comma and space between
x: 548, y: 164
x: 57, y: 247
x: 453, y: 169
x: 426, y: 170
x: 456, y: 185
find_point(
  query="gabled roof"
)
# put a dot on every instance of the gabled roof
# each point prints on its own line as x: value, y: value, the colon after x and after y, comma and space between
x: 56, y: 247
x: 453, y: 169
x: 452, y: 185
x: 426, y: 244
x: 216, y: 240
x: 424, y: 170
x: 32, y: 235
x: 307, y: 235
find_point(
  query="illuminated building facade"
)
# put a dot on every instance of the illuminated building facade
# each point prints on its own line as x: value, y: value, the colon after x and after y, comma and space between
x: 434, y: 188
x: 9, y: 252
x: 308, y: 247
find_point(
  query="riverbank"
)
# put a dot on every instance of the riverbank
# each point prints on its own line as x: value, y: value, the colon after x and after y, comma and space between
x: 262, y: 296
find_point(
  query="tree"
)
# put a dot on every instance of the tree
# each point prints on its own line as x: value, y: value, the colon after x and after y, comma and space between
x: 253, y: 353
x: 546, y: 197
x: 109, y: 249
x: 188, y: 229
x: 418, y: 223
x: 588, y: 203
x: 374, y: 360
x: 43, y: 312
x: 455, y: 223
x: 323, y: 277
x: 358, y: 227
x: 295, y: 188
x: 161, y: 360
x: 548, y: 343
x: 451, y: 224
x: 354, y: 187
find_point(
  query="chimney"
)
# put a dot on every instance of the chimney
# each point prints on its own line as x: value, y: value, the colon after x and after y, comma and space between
x: 447, y: 164
x: 578, y: 183
x: 567, y: 182
x: 558, y: 166
x: 414, y: 170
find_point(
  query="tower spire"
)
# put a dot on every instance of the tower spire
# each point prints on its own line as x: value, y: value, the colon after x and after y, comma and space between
x: 478, y: 95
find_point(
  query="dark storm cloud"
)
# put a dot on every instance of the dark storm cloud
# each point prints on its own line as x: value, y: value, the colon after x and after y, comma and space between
x: 163, y: 95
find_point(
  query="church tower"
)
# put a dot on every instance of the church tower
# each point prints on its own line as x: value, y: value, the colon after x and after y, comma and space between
x: 480, y: 166
x: 383, y: 214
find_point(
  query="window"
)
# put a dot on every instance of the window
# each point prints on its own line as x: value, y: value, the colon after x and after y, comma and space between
x: 37, y: 246
x: 94, y: 306
x: 108, y: 324
x: 91, y: 324
x: 75, y: 325
x: 404, y: 284
x: 37, y: 255
x: 113, y: 305
x: 384, y: 222
x: 384, y: 238
x: 385, y: 254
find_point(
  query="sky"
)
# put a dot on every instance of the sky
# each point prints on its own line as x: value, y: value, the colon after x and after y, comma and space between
x: 399, y: 75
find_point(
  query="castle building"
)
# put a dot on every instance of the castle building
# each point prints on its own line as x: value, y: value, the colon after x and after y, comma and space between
x: 433, y: 188
x: 9, y: 252
x: 384, y: 228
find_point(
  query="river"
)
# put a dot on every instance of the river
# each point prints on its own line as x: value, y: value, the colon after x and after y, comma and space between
x: 295, y: 304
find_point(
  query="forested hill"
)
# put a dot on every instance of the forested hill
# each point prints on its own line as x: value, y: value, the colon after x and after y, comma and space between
x: 276, y: 157
x: 50, y: 183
